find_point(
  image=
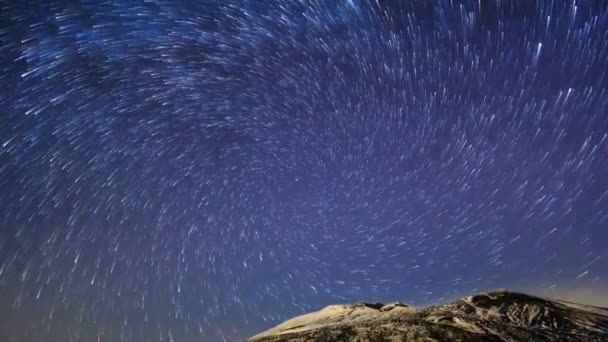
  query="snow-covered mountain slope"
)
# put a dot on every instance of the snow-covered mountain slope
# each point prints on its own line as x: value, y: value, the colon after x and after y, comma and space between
x: 493, y: 316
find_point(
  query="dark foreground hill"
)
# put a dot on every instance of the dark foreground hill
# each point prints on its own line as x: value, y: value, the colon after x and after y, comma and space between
x: 493, y: 316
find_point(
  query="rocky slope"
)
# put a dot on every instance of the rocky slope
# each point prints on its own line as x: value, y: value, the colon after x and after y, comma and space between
x: 493, y: 316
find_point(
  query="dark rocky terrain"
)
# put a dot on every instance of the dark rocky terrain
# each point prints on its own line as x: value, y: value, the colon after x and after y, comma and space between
x: 493, y: 316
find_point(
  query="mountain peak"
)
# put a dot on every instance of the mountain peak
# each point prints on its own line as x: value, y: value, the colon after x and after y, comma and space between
x: 499, y: 315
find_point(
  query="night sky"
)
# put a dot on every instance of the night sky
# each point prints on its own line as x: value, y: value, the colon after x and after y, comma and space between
x: 202, y: 170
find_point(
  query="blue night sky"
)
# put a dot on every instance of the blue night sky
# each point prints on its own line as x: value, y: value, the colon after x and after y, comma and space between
x: 202, y: 170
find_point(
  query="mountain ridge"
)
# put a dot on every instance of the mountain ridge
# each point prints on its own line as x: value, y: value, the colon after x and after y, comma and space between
x: 499, y: 315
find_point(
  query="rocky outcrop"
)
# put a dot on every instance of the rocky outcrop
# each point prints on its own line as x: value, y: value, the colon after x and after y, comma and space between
x: 493, y: 316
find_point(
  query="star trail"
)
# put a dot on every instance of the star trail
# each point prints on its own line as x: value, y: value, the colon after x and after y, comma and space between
x: 202, y: 170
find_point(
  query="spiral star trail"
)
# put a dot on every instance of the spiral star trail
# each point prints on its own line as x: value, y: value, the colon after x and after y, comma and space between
x: 200, y: 171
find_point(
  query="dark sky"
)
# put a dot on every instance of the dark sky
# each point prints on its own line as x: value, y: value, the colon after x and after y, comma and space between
x: 202, y: 170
